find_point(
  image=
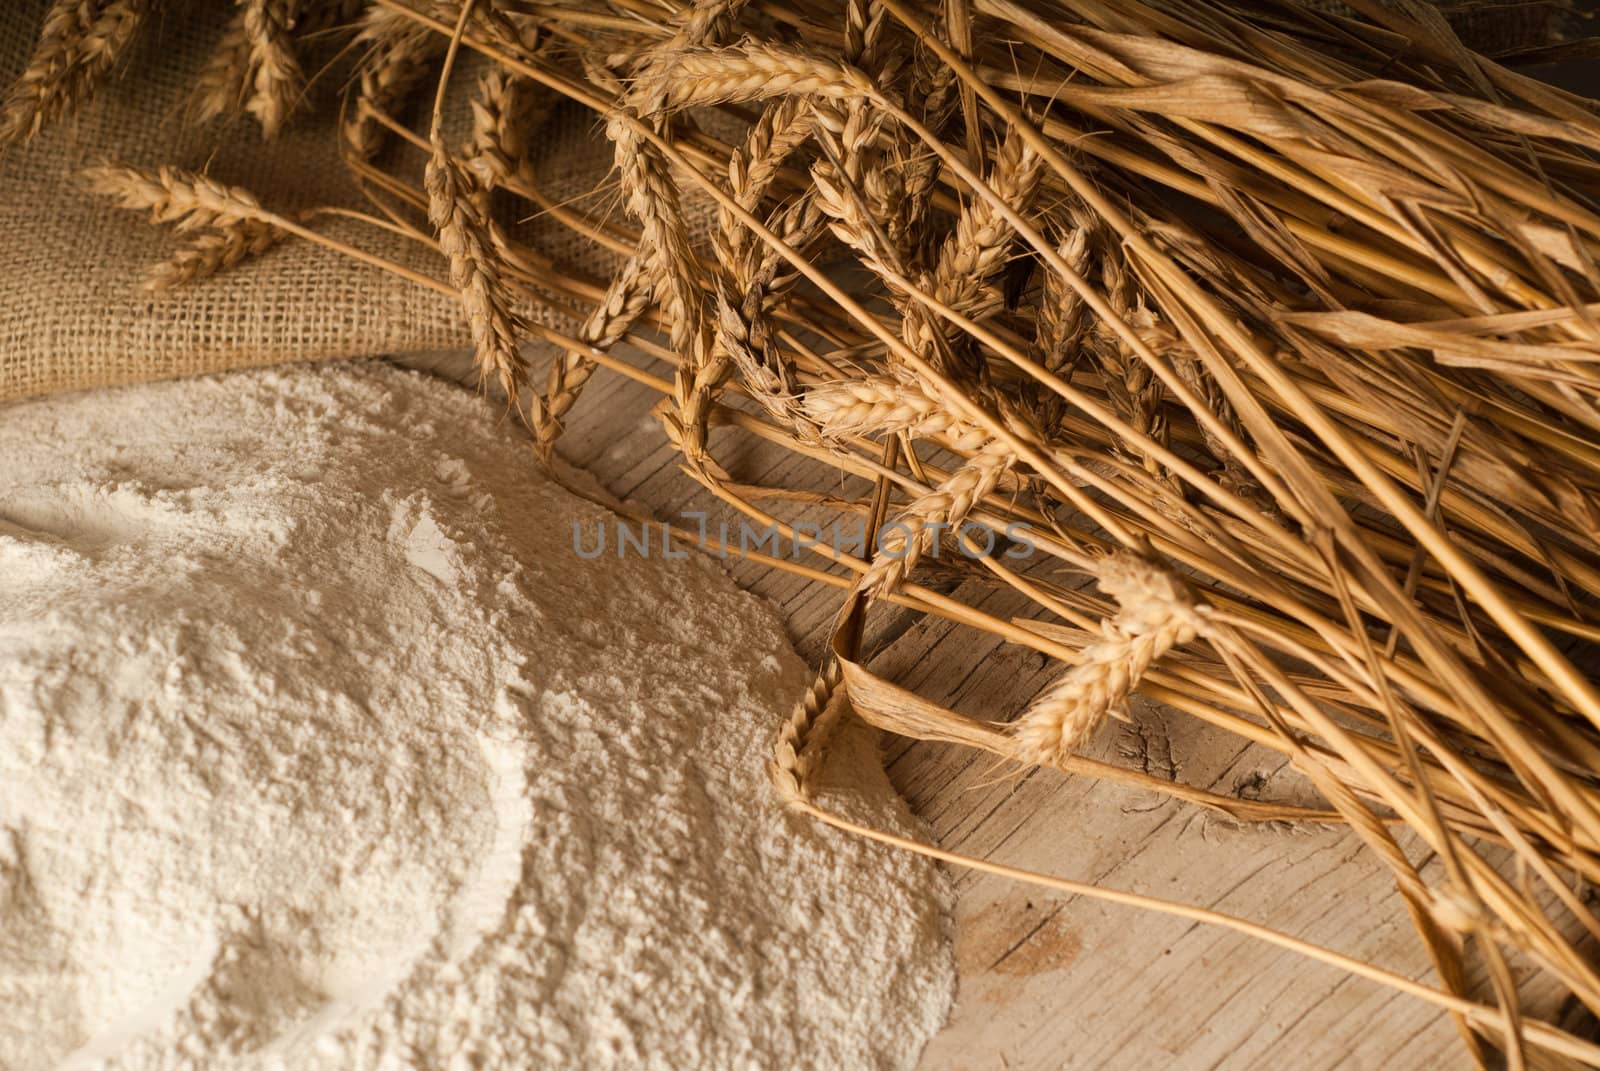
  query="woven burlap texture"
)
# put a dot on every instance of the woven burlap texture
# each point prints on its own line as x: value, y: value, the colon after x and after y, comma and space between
x: 73, y: 313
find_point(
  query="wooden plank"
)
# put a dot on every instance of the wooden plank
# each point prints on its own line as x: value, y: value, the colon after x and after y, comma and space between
x: 1049, y: 981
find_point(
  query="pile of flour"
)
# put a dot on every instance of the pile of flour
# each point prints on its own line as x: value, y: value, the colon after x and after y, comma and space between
x: 321, y: 747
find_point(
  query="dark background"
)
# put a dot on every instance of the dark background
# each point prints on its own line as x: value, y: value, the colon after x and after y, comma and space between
x: 1580, y: 76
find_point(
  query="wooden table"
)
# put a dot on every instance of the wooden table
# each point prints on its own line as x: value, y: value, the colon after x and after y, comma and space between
x: 1049, y: 981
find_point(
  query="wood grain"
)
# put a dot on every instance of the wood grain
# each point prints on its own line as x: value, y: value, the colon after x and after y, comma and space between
x: 1050, y: 981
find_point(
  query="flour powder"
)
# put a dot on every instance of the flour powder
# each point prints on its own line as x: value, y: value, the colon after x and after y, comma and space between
x: 320, y: 747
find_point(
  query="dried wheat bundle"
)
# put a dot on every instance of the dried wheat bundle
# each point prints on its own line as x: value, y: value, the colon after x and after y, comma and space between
x: 1274, y: 325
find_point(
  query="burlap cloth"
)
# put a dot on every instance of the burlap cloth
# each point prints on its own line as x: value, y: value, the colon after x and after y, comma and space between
x: 72, y: 312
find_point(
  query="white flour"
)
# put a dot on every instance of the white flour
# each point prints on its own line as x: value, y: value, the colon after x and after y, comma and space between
x: 319, y: 746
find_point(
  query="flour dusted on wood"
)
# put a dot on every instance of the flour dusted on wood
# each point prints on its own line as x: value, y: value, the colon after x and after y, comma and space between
x: 320, y: 747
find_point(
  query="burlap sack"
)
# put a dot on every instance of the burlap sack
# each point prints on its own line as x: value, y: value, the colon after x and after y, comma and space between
x: 72, y: 312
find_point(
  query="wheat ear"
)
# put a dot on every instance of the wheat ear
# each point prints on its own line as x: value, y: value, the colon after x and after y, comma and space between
x: 700, y: 22
x: 904, y: 540
x: 1063, y: 313
x: 624, y: 302
x: 933, y: 84
x: 79, y: 43
x: 254, y: 66
x: 275, y: 79
x: 1157, y: 614
x: 506, y: 111
x: 887, y: 405
x: 861, y: 213
x: 396, y: 60
x: 982, y: 240
x: 742, y: 330
x: 223, y: 84
x: 782, y: 128
x: 1132, y: 388
x: 464, y: 240
x: 975, y: 251
x: 795, y: 758
x: 651, y: 198
x: 750, y: 72
x: 238, y: 226
x: 173, y: 195
x: 204, y: 255
x: 664, y: 266
x: 766, y: 377
x: 757, y: 277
